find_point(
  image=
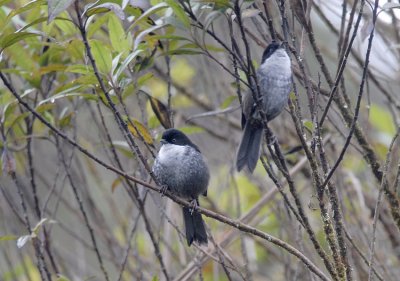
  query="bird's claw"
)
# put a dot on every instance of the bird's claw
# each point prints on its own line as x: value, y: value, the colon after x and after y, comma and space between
x: 193, y: 206
x: 163, y: 190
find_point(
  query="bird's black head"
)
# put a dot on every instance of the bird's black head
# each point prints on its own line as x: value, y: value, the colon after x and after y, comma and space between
x: 271, y: 48
x: 176, y: 137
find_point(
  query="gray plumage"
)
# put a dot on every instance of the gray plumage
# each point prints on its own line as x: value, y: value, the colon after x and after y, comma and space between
x: 274, y: 80
x: 180, y: 167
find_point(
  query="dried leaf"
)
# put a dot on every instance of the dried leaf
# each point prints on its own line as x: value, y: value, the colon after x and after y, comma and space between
x: 116, y: 183
x: 144, y: 133
x: 8, y: 162
x: 160, y: 110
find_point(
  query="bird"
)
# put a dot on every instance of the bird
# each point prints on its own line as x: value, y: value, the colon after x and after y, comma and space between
x: 180, y: 168
x: 274, y: 79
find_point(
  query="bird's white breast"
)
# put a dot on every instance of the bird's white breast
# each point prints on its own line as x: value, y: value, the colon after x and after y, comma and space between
x: 170, y: 152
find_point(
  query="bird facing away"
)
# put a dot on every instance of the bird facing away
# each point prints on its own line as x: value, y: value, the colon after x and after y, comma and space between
x: 274, y: 80
x: 180, y: 167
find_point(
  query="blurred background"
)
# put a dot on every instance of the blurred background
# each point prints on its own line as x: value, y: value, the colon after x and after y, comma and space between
x: 63, y: 215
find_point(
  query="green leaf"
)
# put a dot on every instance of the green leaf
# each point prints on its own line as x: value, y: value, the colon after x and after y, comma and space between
x: 189, y: 130
x: 126, y: 62
x: 7, y: 110
x: 78, y: 68
x: 39, y: 20
x: 51, y: 68
x: 382, y: 119
x: 61, y: 277
x: 8, y: 238
x: 12, y: 121
x: 13, y: 38
x: 104, y: 8
x: 148, y: 13
x: 55, y: 7
x: 123, y: 147
x: 183, y: 52
x: 179, y: 12
x: 65, y: 121
x: 63, y: 94
x: 102, y: 56
x: 42, y: 107
x: 96, y: 26
x: 29, y: 6
x: 142, y: 34
x: 170, y: 37
x: 118, y: 38
x: 228, y: 101
x: 309, y: 125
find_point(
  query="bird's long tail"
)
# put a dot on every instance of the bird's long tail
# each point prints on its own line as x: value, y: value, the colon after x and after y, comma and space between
x: 249, y: 149
x: 194, y: 225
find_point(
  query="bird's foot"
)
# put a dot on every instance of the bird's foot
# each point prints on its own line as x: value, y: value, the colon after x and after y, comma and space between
x: 193, y: 206
x: 163, y: 190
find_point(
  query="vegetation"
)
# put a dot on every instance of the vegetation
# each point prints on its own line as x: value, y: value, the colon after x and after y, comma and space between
x: 89, y: 86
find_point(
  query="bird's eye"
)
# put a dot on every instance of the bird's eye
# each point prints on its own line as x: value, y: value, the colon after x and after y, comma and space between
x: 173, y: 140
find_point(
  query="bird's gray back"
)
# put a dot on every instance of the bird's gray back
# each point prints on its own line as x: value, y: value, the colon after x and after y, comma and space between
x: 274, y: 79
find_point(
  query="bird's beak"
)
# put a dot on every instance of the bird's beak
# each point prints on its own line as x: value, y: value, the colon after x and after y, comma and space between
x: 282, y: 45
x: 163, y: 141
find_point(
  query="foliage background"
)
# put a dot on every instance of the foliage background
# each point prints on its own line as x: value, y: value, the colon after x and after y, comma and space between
x: 64, y: 216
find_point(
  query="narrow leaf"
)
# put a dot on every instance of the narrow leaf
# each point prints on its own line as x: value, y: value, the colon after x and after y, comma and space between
x: 137, y: 128
x: 38, y: 225
x: 106, y: 7
x: 148, y: 13
x: 55, y: 7
x: 117, y: 34
x: 116, y: 183
x: 126, y: 62
x: 61, y: 277
x: 13, y: 38
x: 227, y: 102
x: 141, y: 35
x: 28, y: 6
x: 8, y: 238
x: 160, y: 110
x: 101, y: 55
x: 179, y: 12
x: 51, y: 68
